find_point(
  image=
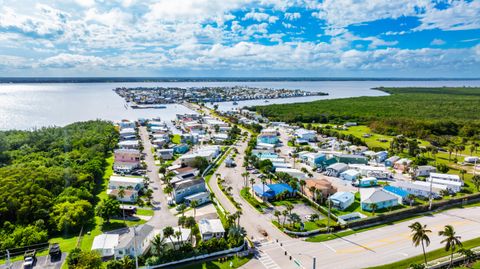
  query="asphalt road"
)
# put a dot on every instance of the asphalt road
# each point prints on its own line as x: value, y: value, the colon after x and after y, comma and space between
x: 43, y: 262
x: 162, y: 217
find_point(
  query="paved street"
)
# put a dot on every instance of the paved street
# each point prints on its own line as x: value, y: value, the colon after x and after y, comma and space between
x: 162, y: 216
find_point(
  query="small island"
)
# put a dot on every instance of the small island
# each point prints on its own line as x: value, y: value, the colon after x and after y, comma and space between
x: 154, y: 97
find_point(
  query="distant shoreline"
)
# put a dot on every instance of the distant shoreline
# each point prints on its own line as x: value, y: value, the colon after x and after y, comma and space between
x: 17, y: 80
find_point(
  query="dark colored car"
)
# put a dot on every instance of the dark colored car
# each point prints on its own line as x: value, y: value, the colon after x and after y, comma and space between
x: 55, y: 252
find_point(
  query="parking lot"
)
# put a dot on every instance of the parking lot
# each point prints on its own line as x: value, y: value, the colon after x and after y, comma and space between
x: 42, y: 262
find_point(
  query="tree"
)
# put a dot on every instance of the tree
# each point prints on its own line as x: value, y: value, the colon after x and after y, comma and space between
x: 158, y: 245
x: 476, y: 181
x: 194, y: 204
x: 149, y: 195
x: 169, y: 232
x: 312, y: 191
x: 277, y: 214
x: 163, y: 170
x: 411, y: 198
x: 67, y: 215
x: 190, y: 222
x: 303, y: 183
x: 168, y: 189
x: 121, y: 194
x: 108, y: 208
x: 468, y: 254
x: 289, y: 207
x: 420, y: 236
x: 373, y: 207
x: 285, y: 214
x: 252, y: 181
x: 245, y: 178
x: 451, y: 240
x: 201, y: 163
x: 181, y: 208
x: 78, y: 259
x: 462, y: 173
x: 442, y: 168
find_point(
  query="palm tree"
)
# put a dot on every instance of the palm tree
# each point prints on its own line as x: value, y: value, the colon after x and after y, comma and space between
x: 411, y: 198
x: 127, y: 262
x: 312, y: 191
x: 182, y: 208
x: 158, y: 245
x: 294, y: 157
x: 463, y: 172
x: 468, y: 254
x: 319, y: 195
x: 169, y: 232
x: 451, y: 240
x: 245, y: 178
x: 277, y: 214
x: 237, y: 216
x: 284, y: 214
x: 178, y: 235
x: 476, y: 181
x: 263, y: 185
x: 289, y: 207
x: 302, y: 185
x: 451, y: 148
x: 374, y: 207
x: 121, y: 194
x: 420, y: 236
x: 194, y: 204
x: 252, y: 181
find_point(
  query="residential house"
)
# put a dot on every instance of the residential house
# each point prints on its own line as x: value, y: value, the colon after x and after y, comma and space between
x: 424, y: 170
x: 165, y: 154
x: 136, y: 241
x: 380, y: 156
x: 366, y: 182
x: 126, y: 160
x: 292, y: 172
x: 390, y: 162
x: 271, y: 191
x: 350, y: 175
x: 126, y: 124
x: 342, y: 200
x: 351, y: 159
x: 129, y: 144
x: 313, y: 159
x: 186, y: 188
x: 402, y: 164
x: 201, y: 198
x: 211, y: 228
x: 268, y: 136
x: 119, y: 182
x: 304, y: 135
x: 181, y: 148
x: 471, y: 159
x: 323, y: 185
x: 421, y: 188
x: 401, y: 194
x: 448, y: 177
x: 207, y: 152
x: 381, y: 198
x: 335, y: 169
x: 452, y: 186
x: 105, y: 244
x: 127, y: 133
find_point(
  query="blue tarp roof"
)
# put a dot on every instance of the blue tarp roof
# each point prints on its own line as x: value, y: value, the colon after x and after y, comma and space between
x: 271, y: 190
x: 397, y: 191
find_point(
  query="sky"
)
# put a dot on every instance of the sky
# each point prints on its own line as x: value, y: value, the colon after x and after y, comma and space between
x: 298, y: 38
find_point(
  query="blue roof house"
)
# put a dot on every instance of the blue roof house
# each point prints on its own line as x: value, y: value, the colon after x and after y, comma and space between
x: 401, y: 194
x: 270, y: 191
x: 342, y: 200
x: 381, y: 156
x: 268, y: 139
x: 381, y: 198
x: 181, y: 149
x: 391, y: 161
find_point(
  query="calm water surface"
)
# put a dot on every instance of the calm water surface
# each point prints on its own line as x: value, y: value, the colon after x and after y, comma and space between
x: 25, y: 106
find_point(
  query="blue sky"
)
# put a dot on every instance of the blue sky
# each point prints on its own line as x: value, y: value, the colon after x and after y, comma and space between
x: 354, y: 38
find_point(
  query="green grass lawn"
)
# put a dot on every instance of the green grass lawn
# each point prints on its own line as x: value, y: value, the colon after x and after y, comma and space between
x: 245, y: 193
x: 308, y: 225
x: 144, y: 212
x: 223, y: 263
x: 432, y: 255
x: 288, y: 201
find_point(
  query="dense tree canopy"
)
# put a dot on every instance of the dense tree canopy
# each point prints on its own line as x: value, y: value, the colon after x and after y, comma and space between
x: 416, y: 112
x: 49, y: 175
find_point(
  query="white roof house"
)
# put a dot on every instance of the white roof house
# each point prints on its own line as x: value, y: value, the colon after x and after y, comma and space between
x: 210, y: 228
x: 105, y: 244
x: 116, y: 182
x: 292, y: 172
x: 448, y: 177
x: 129, y: 144
x: 421, y: 188
x: 453, y: 186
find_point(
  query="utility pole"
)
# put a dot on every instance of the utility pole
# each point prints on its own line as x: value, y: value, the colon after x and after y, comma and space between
x: 7, y: 263
x: 135, y: 245
x: 314, y: 263
x: 328, y: 219
x: 431, y: 194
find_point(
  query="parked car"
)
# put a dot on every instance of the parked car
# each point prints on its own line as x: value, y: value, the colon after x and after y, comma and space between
x: 55, y: 252
x: 29, y: 259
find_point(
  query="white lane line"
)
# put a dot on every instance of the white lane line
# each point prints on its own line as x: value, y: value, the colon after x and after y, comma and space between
x: 404, y: 254
x: 329, y: 247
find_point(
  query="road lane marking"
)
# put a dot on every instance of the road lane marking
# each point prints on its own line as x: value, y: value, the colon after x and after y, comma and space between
x: 329, y: 247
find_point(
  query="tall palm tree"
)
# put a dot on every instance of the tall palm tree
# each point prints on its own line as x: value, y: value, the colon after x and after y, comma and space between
x: 374, y: 207
x: 476, y: 181
x: 451, y: 240
x: 245, y: 178
x: 462, y: 173
x: 238, y: 214
x: 420, y: 236
x: 121, y: 194
x: 169, y: 232
x: 277, y: 214
x: 194, y: 204
x: 252, y: 181
x: 158, y: 245
x: 178, y: 235
x: 312, y: 191
x: 303, y: 183
x: 127, y: 262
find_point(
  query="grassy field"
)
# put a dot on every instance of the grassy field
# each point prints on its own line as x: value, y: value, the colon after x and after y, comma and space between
x: 432, y: 255
x: 144, y: 212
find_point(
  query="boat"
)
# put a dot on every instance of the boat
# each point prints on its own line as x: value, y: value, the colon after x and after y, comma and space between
x: 235, y: 103
x: 266, y: 101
